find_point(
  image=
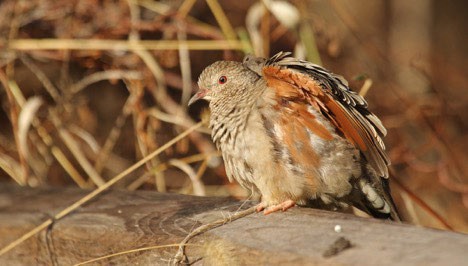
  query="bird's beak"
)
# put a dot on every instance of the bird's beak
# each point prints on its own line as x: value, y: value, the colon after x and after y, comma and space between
x: 201, y: 93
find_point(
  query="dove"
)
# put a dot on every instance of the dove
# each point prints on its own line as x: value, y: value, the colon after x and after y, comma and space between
x: 295, y: 134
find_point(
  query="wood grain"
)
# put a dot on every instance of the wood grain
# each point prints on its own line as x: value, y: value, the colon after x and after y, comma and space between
x: 120, y: 220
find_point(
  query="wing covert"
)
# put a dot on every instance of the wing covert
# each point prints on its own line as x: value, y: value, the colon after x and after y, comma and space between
x: 301, y: 81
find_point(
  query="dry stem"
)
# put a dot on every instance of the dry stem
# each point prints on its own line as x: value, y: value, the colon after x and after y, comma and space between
x: 180, y: 257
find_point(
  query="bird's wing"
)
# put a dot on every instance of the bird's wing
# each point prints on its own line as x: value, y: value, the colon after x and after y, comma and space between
x: 300, y: 81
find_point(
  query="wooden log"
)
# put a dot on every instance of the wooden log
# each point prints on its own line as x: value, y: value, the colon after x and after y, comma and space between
x: 117, y: 221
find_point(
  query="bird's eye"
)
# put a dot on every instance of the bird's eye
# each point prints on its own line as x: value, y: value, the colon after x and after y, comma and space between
x: 222, y: 80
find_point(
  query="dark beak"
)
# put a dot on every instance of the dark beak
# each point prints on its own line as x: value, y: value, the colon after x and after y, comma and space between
x: 198, y: 96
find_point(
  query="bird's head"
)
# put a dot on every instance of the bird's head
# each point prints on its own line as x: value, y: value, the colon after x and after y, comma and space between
x: 223, y: 82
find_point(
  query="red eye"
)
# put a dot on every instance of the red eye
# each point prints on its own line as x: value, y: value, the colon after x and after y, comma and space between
x: 222, y: 79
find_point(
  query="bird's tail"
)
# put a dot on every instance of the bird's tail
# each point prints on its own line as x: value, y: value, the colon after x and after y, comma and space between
x: 377, y: 200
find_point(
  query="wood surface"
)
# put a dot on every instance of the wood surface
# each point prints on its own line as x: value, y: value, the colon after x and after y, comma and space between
x: 121, y: 220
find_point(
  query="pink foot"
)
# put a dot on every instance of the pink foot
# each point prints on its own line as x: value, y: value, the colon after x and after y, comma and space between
x: 260, y: 207
x: 282, y: 206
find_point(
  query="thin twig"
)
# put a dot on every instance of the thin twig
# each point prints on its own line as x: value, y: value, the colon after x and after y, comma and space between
x: 172, y: 119
x: 222, y: 19
x: 65, y: 163
x: 104, y: 75
x: 265, y: 30
x: 97, y: 44
x: 365, y: 87
x: 127, y: 252
x: 156, y: 6
x: 185, y: 70
x: 48, y: 85
x: 10, y: 166
x: 185, y: 7
x: 180, y: 256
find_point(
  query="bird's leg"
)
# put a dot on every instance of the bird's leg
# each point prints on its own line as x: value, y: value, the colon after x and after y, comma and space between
x: 270, y: 209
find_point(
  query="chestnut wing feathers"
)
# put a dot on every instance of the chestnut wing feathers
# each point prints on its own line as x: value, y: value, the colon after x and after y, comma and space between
x: 345, y: 108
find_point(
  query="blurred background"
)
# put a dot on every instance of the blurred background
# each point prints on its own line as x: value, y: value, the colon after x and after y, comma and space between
x: 89, y: 87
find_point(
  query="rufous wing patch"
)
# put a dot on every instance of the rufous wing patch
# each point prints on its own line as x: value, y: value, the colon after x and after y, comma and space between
x: 297, y: 144
x: 293, y: 99
x: 301, y: 88
x: 302, y: 82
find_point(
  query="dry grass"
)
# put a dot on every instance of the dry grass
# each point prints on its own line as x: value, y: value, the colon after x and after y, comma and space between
x: 85, y: 95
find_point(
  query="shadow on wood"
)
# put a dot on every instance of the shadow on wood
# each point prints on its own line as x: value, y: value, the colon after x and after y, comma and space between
x: 120, y: 220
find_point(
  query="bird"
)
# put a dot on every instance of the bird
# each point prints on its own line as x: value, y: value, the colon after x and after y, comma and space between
x: 294, y: 133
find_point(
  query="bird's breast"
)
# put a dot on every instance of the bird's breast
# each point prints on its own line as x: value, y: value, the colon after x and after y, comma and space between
x: 290, y: 155
x: 245, y: 146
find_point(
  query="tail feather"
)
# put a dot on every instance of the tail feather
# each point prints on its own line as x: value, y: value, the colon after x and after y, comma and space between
x: 376, y: 200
